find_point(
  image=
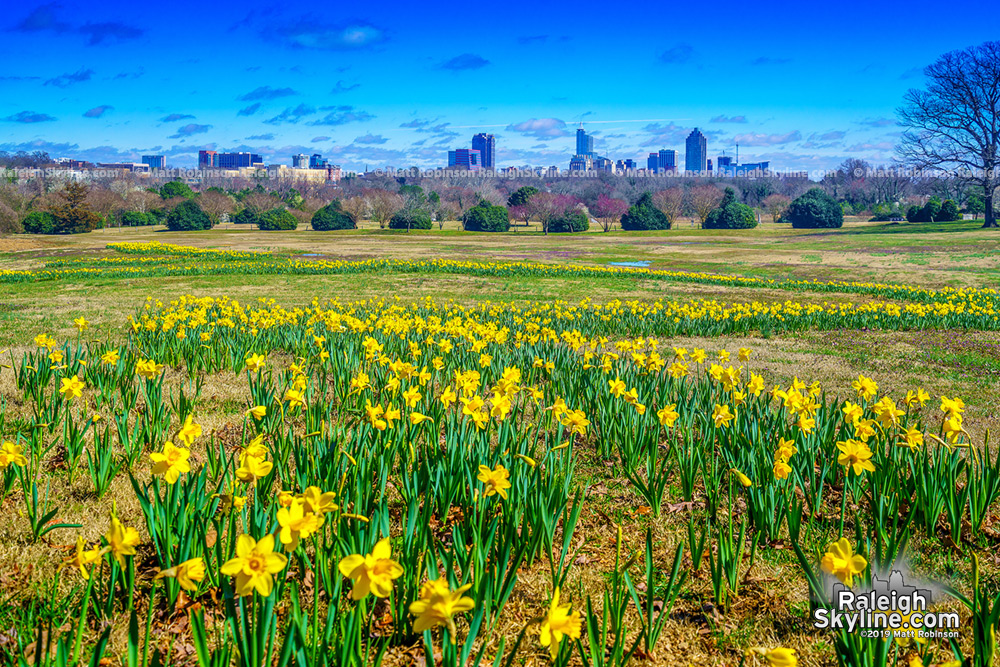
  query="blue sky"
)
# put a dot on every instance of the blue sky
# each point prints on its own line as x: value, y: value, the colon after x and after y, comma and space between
x: 399, y: 84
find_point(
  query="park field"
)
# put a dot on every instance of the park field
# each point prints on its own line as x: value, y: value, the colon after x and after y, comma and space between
x: 675, y: 433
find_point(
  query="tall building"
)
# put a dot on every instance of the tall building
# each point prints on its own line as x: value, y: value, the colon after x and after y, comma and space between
x: 724, y: 163
x: 155, y: 161
x: 581, y: 163
x: 207, y: 159
x: 300, y: 161
x: 317, y: 161
x: 465, y: 158
x: 696, y: 152
x: 486, y: 144
x: 584, y: 143
x: 662, y: 161
x: 237, y: 160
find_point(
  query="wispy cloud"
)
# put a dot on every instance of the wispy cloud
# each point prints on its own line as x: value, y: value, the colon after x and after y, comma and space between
x: 311, y: 33
x: 68, y: 79
x: 677, y: 55
x: 342, y: 115
x: 265, y: 93
x: 729, y: 119
x: 189, y: 130
x: 29, y: 117
x: 109, y: 31
x: 45, y: 18
x: 464, y: 61
x: 174, y: 117
x: 370, y: 139
x: 758, y: 139
x: 319, y: 139
x: 97, y: 112
x: 341, y: 88
x: 249, y: 110
x: 540, y: 128
x: 533, y: 39
x: 261, y: 137
x: 292, y: 115
x: 877, y: 122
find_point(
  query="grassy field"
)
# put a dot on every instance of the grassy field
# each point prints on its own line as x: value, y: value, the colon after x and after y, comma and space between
x: 766, y: 602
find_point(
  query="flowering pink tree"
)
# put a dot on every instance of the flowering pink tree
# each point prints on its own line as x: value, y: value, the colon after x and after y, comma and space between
x: 547, y: 207
x: 608, y: 211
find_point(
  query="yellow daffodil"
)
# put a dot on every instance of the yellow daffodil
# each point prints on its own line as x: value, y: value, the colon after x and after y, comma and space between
x: 372, y: 573
x: 255, y: 565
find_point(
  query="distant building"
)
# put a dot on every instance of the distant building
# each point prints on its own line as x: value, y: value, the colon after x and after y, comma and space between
x: 625, y: 166
x: 155, y: 161
x: 300, y: 161
x: 208, y: 159
x: 696, y: 151
x: 317, y: 161
x: 237, y: 160
x: 724, y: 162
x: 137, y: 167
x: 709, y: 165
x: 748, y: 169
x: 465, y: 158
x: 662, y: 161
x: 584, y: 143
x: 486, y: 144
x: 581, y: 163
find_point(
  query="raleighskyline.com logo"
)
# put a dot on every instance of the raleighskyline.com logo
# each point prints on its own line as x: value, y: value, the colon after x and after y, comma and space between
x: 890, y: 608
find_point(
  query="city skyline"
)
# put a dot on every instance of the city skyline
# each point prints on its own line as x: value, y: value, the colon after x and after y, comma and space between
x: 126, y: 80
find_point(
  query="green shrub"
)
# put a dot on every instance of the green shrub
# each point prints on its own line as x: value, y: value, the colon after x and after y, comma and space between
x: 815, y: 210
x: 331, y: 217
x: 277, y: 219
x: 949, y: 211
x: 188, y: 217
x: 570, y: 221
x: 913, y: 214
x: 644, y: 215
x: 486, y: 218
x: 39, y: 222
x: 246, y: 216
x: 731, y: 214
x: 176, y: 189
x: 413, y: 219
x: 137, y: 219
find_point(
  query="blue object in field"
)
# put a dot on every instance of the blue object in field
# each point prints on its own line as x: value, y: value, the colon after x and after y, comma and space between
x: 312, y: 254
x: 638, y: 265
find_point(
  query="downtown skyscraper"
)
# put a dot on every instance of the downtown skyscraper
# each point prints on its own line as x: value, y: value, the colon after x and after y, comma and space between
x: 696, y: 151
x: 486, y: 144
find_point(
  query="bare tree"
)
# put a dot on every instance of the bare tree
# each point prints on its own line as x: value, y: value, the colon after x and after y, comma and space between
x: 670, y: 202
x: 142, y: 201
x: 955, y: 123
x: 384, y: 205
x: 776, y: 205
x: 258, y: 202
x: 357, y: 208
x: 704, y: 200
x: 216, y: 204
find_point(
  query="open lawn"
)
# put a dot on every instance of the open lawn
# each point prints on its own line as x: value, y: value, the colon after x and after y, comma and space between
x: 581, y: 394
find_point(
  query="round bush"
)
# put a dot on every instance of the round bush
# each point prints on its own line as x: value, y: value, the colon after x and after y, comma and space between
x: 731, y: 214
x: 331, y: 217
x: 188, y: 217
x: 416, y: 219
x: 570, y: 221
x: 815, y: 210
x: 949, y: 211
x: 277, y: 219
x: 486, y: 218
x: 137, y: 219
x: 246, y: 216
x: 39, y: 222
x: 644, y: 215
